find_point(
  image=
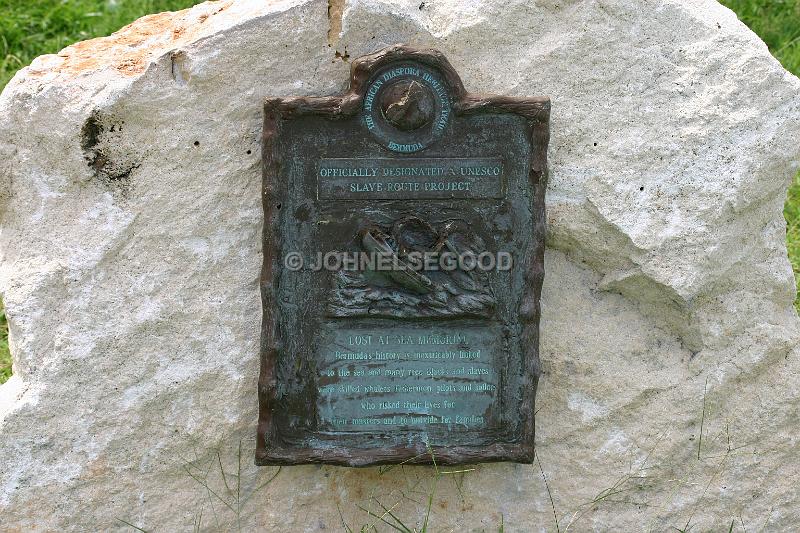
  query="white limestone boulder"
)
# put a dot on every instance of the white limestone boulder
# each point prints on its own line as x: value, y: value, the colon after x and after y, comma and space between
x: 130, y: 223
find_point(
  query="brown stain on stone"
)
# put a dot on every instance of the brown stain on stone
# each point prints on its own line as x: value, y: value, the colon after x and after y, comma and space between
x: 333, y: 488
x: 95, y: 469
x: 335, y: 14
x: 359, y: 483
x: 132, y: 48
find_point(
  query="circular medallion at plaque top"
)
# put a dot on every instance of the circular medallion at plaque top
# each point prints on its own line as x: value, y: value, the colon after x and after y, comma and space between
x: 406, y: 107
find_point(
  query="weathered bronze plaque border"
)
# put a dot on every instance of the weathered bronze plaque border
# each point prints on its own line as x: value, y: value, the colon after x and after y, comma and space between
x: 536, y: 111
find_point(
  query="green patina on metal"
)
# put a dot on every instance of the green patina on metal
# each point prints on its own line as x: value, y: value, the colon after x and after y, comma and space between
x: 363, y: 365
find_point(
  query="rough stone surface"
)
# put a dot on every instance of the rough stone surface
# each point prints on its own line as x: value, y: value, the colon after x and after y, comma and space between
x: 129, y: 257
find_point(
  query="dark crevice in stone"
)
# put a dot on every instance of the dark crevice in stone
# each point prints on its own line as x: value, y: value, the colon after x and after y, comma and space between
x: 335, y: 12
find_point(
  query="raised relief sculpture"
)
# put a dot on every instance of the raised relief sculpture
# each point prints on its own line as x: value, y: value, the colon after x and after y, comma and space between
x: 454, y: 288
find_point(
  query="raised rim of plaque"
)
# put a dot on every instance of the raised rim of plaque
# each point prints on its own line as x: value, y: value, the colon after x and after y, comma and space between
x: 427, y: 114
x: 536, y: 108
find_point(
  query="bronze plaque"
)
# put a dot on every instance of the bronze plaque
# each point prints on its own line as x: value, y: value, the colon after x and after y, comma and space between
x: 403, y: 243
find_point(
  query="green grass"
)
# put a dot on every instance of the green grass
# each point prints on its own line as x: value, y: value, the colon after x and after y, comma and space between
x: 5, y: 355
x: 29, y: 28
x: 792, y: 213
